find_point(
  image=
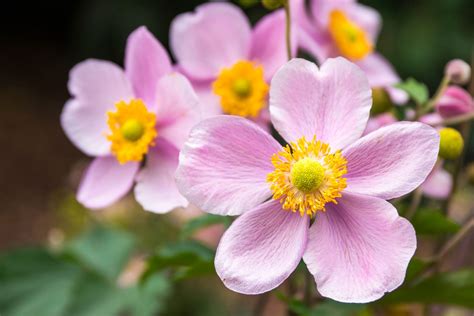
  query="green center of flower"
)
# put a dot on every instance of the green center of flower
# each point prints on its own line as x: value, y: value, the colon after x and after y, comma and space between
x: 307, y: 175
x: 242, y: 87
x: 132, y: 130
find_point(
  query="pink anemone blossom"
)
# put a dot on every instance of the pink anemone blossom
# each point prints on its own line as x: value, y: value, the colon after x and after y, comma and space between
x: 358, y: 247
x: 119, y: 117
x: 454, y: 101
x: 346, y: 28
x: 228, y: 62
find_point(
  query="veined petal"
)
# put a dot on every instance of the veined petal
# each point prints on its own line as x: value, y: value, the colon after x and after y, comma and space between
x: 261, y: 248
x: 96, y: 86
x: 224, y: 165
x: 391, y: 161
x: 331, y: 103
x: 105, y: 182
x: 359, y: 249
x: 215, y: 36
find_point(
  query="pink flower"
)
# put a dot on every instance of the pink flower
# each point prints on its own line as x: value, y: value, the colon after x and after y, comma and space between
x: 458, y: 71
x: 346, y: 28
x: 228, y: 62
x: 438, y: 184
x: 454, y: 101
x: 119, y: 117
x: 358, y: 247
x: 379, y: 121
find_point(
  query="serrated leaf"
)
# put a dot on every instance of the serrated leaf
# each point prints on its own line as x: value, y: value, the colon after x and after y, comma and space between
x: 433, y: 222
x: 201, y: 222
x: 417, y: 91
x: 103, y: 250
x: 452, y: 288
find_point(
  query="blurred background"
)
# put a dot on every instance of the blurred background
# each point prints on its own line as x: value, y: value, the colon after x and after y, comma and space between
x: 42, y: 40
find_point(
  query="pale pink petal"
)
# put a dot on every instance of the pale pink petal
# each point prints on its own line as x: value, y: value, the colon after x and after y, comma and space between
x: 216, y: 35
x: 210, y: 103
x: 156, y: 189
x: 455, y: 101
x: 382, y: 75
x: 224, y: 165
x: 391, y: 161
x: 146, y: 60
x: 178, y: 108
x: 438, y: 184
x: 332, y: 103
x: 359, y: 249
x: 95, y: 86
x: 431, y: 118
x: 269, y: 44
x: 261, y: 248
x: 105, y: 182
x: 320, y: 46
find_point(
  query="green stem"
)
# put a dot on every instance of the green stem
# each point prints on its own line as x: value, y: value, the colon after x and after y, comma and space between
x: 439, y: 92
x: 288, y: 28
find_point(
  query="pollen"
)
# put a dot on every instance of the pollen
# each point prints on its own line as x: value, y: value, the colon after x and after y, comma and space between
x: 350, y: 39
x: 242, y: 89
x: 132, y: 130
x: 307, y: 176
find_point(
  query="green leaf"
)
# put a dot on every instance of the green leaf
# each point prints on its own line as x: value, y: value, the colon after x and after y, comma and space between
x: 189, y: 258
x: 414, y: 268
x: 34, y: 282
x: 433, y: 222
x: 148, y: 297
x: 201, y: 222
x: 103, y: 250
x: 248, y: 3
x: 452, y: 288
x: 417, y: 91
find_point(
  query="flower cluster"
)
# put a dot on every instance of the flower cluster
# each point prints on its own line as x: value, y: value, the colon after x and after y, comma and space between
x: 198, y: 133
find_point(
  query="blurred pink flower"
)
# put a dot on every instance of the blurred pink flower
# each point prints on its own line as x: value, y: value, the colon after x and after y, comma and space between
x: 454, y: 101
x: 358, y: 247
x: 150, y: 100
x: 438, y: 184
x: 217, y: 37
x: 458, y: 71
x: 343, y: 28
x: 379, y: 121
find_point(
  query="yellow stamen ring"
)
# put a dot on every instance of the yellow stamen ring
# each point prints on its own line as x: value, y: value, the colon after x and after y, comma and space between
x: 242, y: 89
x: 307, y: 176
x: 132, y: 130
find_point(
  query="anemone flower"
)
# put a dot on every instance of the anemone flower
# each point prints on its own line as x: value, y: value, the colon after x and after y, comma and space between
x: 358, y: 247
x: 349, y: 29
x: 454, y: 101
x: 122, y: 117
x: 228, y: 62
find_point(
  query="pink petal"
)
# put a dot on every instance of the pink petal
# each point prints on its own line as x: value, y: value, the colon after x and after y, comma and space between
x: 261, y: 249
x: 438, y: 184
x: 105, y: 182
x: 382, y: 75
x: 391, y: 161
x: 359, y: 249
x: 216, y: 35
x: 431, y: 119
x: 224, y: 164
x: 379, y: 121
x: 146, y: 60
x: 269, y: 44
x: 332, y: 103
x: 455, y: 101
x: 210, y: 103
x: 177, y: 108
x: 96, y: 86
x: 156, y: 189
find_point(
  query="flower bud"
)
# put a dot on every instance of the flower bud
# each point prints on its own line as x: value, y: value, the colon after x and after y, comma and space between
x: 381, y: 101
x: 451, y: 143
x: 273, y: 4
x: 458, y: 71
x: 454, y: 101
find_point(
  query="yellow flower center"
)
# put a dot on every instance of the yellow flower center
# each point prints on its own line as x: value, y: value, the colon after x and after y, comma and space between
x: 242, y: 89
x: 350, y: 39
x: 132, y: 130
x: 307, y: 175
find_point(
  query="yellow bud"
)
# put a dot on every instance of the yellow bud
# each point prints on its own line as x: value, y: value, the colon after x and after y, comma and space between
x: 381, y: 101
x: 273, y: 4
x: 451, y: 143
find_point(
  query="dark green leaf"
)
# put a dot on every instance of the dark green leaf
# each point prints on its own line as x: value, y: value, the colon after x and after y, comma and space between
x: 414, y: 268
x: 201, y: 222
x: 34, y: 282
x: 103, y: 250
x: 417, y: 91
x: 453, y: 288
x: 432, y: 222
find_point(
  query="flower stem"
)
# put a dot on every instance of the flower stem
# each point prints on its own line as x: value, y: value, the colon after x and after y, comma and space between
x: 456, y: 120
x: 288, y: 28
x: 439, y: 92
x: 415, y: 203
